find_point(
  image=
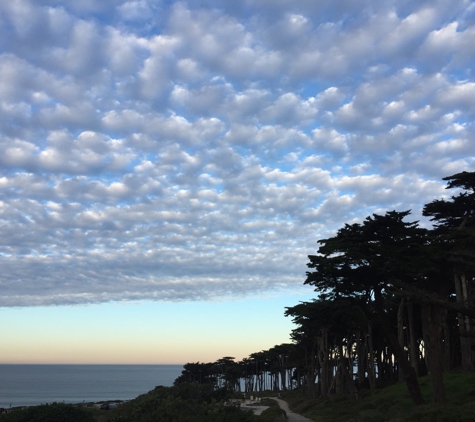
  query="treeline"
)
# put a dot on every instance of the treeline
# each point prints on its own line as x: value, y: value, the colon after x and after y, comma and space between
x: 394, y: 302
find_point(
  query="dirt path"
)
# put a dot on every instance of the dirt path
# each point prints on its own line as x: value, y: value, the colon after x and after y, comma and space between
x: 291, y: 416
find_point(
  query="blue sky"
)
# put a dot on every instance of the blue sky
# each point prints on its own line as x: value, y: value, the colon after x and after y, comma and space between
x: 167, y: 164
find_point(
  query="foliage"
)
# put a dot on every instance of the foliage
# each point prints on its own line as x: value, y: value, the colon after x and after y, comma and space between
x: 56, y: 412
x: 184, y: 402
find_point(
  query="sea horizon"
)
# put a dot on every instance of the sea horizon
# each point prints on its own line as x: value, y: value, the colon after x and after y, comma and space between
x: 102, y: 364
x: 28, y: 384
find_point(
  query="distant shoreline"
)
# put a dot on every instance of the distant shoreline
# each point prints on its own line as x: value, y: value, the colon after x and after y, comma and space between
x: 96, y: 404
x: 29, y: 385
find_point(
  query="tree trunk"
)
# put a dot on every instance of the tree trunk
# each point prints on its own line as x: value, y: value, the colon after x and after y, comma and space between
x: 413, y: 345
x: 400, y: 334
x: 311, y: 372
x: 361, y: 352
x: 340, y: 384
x: 433, y: 342
x: 447, y: 342
x: 283, y: 378
x: 370, y: 357
x: 323, y: 358
x: 409, y: 372
x: 464, y: 324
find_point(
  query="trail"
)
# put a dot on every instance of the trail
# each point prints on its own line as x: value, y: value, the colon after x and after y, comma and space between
x: 291, y: 416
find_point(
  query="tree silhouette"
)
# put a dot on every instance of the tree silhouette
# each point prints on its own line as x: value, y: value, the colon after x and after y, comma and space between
x: 394, y: 300
x: 361, y: 263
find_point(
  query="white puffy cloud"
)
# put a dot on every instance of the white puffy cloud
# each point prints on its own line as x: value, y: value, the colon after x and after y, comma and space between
x: 198, y: 150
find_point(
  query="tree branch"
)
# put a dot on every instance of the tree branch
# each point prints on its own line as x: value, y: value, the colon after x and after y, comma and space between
x: 422, y: 296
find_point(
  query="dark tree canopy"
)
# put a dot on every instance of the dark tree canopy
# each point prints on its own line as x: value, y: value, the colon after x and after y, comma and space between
x: 393, y: 301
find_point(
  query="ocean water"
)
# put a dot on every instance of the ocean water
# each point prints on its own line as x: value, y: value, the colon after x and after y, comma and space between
x: 28, y: 385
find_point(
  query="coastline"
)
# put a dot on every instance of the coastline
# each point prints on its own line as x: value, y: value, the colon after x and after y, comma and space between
x: 102, y: 404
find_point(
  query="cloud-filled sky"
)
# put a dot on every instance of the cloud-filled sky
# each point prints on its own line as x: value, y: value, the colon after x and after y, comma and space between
x: 196, y: 150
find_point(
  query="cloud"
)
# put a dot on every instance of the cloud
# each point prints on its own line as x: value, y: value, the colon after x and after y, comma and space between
x: 198, y: 150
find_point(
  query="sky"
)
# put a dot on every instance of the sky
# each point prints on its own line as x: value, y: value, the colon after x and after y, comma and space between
x: 166, y: 167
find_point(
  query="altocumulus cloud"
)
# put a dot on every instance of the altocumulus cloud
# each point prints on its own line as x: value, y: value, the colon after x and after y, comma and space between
x: 197, y: 150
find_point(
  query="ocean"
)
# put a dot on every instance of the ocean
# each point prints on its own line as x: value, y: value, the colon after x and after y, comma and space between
x: 28, y: 385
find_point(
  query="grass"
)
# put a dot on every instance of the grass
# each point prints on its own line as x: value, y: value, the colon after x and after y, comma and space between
x: 273, y: 414
x: 393, y: 404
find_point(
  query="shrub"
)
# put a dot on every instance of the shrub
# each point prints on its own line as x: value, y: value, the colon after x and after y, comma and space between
x: 56, y: 412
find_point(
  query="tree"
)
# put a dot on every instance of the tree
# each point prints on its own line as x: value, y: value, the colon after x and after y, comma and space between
x: 198, y: 372
x: 455, y: 230
x: 361, y: 262
x: 328, y: 329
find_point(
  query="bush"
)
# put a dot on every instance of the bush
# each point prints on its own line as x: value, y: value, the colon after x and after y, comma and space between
x: 56, y: 412
x: 184, y: 402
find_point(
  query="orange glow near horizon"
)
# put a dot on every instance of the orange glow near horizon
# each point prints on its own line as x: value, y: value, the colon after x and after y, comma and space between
x: 146, y: 333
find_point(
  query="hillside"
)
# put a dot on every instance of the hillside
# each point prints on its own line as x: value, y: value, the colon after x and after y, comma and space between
x: 393, y: 404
